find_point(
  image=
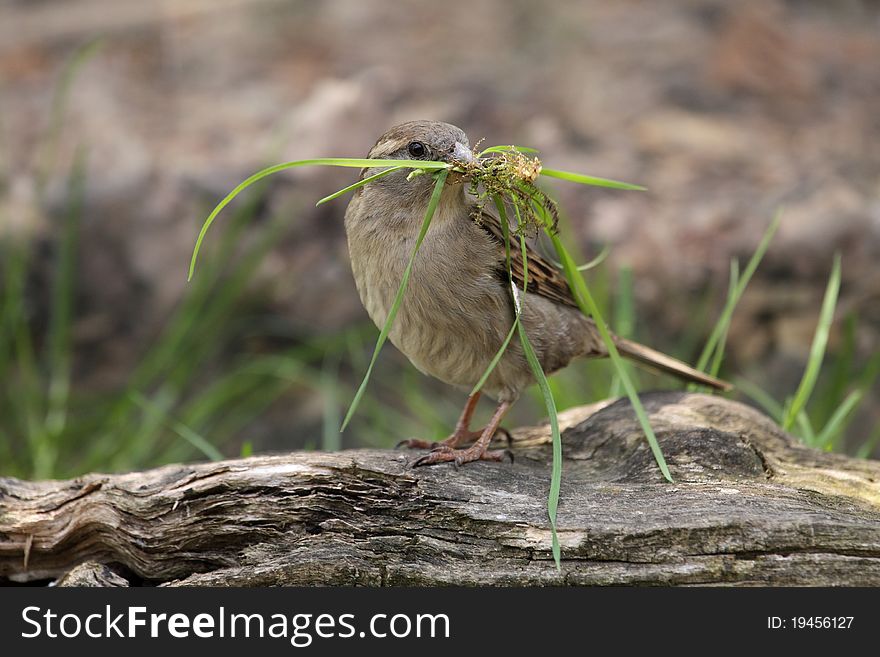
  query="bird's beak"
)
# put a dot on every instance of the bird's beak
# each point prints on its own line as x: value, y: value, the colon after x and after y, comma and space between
x: 463, y: 154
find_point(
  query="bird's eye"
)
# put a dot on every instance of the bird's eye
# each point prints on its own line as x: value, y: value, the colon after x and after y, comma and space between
x: 417, y: 149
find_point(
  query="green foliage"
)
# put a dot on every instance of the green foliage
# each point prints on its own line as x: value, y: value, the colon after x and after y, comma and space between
x: 359, y: 163
x: 183, y: 387
x: 174, y: 397
x: 537, y: 372
x: 395, y: 306
x: 588, y: 306
x: 796, y: 404
x: 826, y: 399
x: 589, y: 180
x: 624, y: 321
x: 714, y: 349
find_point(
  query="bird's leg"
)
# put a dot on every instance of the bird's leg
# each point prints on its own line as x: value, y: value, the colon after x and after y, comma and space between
x: 462, y: 433
x: 476, y: 452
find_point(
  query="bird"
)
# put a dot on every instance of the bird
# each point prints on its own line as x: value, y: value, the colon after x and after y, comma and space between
x: 457, y: 308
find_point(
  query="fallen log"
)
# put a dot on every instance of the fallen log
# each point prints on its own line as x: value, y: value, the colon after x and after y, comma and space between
x: 749, y: 506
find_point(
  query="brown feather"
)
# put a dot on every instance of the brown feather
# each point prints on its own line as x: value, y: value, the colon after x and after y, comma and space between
x: 545, y: 279
x: 653, y: 358
x: 548, y: 281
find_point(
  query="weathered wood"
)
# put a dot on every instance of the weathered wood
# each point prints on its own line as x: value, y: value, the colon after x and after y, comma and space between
x: 749, y: 506
x: 91, y: 574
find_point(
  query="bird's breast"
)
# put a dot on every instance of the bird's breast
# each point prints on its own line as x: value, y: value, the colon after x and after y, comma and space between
x: 453, y: 315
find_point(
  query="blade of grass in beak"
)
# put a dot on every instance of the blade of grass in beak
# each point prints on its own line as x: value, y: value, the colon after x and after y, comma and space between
x: 590, y: 180
x: 592, y: 264
x: 556, y: 472
x: 507, y: 149
x: 383, y: 334
x: 556, y: 437
x: 589, y: 307
x: 546, y: 393
x: 537, y: 372
x: 499, y: 204
x: 359, y: 183
x: 359, y: 163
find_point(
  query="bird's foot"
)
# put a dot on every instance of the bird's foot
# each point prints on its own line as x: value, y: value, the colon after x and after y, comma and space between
x: 447, y: 451
x: 457, y: 457
x: 453, y: 441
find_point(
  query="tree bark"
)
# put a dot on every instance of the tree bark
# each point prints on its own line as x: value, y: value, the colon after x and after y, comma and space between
x: 749, y: 506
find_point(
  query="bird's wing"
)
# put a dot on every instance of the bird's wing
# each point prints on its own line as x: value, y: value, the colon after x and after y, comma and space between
x: 548, y: 281
x: 545, y: 279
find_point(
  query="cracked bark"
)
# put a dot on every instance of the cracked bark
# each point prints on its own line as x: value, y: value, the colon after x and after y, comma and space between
x: 749, y: 506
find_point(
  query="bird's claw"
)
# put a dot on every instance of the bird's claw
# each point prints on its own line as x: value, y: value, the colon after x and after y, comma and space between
x: 458, y: 457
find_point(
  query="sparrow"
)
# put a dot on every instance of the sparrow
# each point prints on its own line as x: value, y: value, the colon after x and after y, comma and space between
x: 457, y: 308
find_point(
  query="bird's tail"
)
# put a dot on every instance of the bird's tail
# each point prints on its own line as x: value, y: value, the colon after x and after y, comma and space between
x: 647, y: 356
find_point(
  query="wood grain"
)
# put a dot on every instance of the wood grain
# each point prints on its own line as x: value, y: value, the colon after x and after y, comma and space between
x: 749, y: 506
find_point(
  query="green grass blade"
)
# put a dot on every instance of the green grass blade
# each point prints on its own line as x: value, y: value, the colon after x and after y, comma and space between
x: 592, y: 264
x: 808, y: 435
x: 499, y: 204
x: 595, y: 262
x: 838, y: 375
x: 835, y: 425
x: 392, y: 313
x: 497, y: 358
x: 817, y: 349
x: 537, y: 371
x: 718, y: 356
x: 868, y: 446
x: 358, y: 184
x: 624, y: 317
x: 190, y: 436
x: 590, y: 180
x: 61, y: 311
x: 556, y: 472
x: 60, y: 99
x: 762, y: 398
x: 589, y: 307
x: 331, y: 439
x: 507, y: 149
x: 546, y: 393
x: 359, y: 163
x: 196, y: 331
x: 723, y: 324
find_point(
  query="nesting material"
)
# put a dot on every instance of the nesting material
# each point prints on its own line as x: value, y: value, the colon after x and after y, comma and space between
x: 510, y: 174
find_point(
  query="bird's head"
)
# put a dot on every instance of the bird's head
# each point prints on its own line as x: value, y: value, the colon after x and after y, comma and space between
x: 418, y: 140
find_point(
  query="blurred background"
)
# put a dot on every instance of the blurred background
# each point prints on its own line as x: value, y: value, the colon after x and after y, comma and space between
x: 123, y: 123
